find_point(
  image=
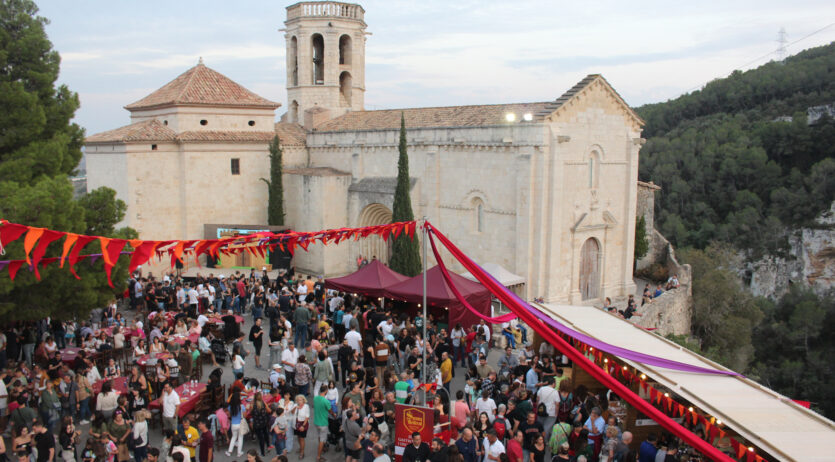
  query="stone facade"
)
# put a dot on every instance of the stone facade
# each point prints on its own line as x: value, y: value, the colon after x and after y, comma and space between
x: 547, y: 190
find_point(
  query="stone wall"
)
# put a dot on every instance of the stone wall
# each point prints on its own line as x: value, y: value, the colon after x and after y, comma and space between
x: 670, y: 313
x: 646, y: 208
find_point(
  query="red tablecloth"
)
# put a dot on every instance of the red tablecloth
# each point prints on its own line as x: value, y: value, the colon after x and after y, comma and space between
x: 143, y: 360
x: 247, y: 398
x: 69, y: 354
x: 119, y: 384
x: 181, y: 340
x: 189, y: 395
x: 217, y: 320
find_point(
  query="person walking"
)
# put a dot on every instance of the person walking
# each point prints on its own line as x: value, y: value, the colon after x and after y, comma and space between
x: 236, y: 412
x: 322, y: 409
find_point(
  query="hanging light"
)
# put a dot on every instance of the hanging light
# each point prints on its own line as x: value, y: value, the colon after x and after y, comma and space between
x: 690, y: 408
x: 605, y: 360
x: 666, y: 395
x: 643, y: 376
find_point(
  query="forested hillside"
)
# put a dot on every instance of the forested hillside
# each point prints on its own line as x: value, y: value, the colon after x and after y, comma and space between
x: 740, y: 168
x: 731, y: 168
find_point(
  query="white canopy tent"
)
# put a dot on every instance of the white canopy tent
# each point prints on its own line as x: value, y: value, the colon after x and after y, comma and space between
x: 787, y: 431
x: 514, y: 282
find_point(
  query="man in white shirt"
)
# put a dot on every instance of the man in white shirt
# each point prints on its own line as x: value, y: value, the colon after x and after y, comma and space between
x: 385, y: 327
x: 289, y: 358
x: 181, y: 296
x: 170, y: 408
x: 487, y: 405
x: 549, y: 396
x: 493, y: 448
x: 211, y: 290
x: 193, y: 297
x: 202, y: 320
x: 354, y: 340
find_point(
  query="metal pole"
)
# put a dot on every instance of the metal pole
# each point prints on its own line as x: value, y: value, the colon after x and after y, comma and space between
x: 423, y: 369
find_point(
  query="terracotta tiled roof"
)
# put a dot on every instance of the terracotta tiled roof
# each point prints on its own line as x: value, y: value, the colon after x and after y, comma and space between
x: 202, y: 86
x: 153, y: 130
x: 291, y: 134
x: 148, y: 130
x: 431, y: 117
x: 573, y: 91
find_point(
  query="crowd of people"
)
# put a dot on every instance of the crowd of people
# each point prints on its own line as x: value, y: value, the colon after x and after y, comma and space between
x: 310, y: 357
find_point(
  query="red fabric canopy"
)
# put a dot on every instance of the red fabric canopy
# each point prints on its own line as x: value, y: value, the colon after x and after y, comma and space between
x: 371, y: 280
x: 438, y: 293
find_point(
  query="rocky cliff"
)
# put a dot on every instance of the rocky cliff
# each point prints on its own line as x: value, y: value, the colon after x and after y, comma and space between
x: 811, y: 262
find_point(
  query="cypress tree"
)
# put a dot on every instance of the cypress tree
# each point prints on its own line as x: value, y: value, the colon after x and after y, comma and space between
x: 641, y: 238
x: 405, y: 256
x: 275, y: 206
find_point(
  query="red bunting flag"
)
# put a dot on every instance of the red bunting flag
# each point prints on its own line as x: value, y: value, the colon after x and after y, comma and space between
x: 14, y: 265
x: 81, y: 242
x: 47, y: 238
x: 9, y: 232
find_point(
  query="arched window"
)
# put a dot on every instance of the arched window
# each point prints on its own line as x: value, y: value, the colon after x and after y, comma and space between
x: 594, y: 168
x: 480, y: 218
x: 294, y: 60
x: 345, y: 49
x: 318, y: 44
x: 345, y: 84
x: 294, y: 111
x: 478, y: 215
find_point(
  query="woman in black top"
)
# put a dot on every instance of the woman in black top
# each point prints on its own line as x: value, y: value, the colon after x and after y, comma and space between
x: 538, y: 449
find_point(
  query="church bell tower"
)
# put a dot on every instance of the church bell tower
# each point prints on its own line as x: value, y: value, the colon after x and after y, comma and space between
x: 325, y: 59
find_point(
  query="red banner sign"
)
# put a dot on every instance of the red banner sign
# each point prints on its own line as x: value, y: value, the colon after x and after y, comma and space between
x: 407, y: 420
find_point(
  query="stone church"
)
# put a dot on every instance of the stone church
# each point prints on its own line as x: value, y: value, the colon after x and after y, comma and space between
x: 547, y: 189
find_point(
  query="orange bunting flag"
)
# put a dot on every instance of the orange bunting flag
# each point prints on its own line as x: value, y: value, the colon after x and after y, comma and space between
x: 111, y: 256
x: 29, y: 241
x: 68, y: 242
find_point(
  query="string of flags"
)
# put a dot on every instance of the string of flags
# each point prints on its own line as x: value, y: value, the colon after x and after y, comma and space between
x: 37, y: 240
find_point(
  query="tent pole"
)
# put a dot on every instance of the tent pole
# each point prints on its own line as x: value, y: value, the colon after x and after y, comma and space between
x: 423, y: 368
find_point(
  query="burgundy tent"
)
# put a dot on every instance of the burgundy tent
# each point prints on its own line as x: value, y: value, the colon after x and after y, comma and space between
x: 438, y: 293
x: 371, y: 280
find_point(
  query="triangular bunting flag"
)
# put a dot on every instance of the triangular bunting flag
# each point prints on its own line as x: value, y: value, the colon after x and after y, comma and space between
x: 29, y: 241
x: 14, y: 265
x: 47, y: 238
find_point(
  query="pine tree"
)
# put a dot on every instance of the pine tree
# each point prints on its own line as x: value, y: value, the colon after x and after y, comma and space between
x: 275, y: 206
x: 39, y: 149
x: 405, y: 256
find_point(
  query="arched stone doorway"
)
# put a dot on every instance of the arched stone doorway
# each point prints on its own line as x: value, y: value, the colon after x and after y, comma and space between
x: 590, y: 269
x: 371, y: 246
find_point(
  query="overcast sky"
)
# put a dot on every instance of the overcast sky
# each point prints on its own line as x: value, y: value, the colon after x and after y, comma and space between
x: 427, y: 52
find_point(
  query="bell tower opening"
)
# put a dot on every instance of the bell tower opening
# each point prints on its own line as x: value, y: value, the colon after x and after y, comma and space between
x: 293, y: 56
x: 318, y: 52
x: 345, y: 88
x: 345, y: 50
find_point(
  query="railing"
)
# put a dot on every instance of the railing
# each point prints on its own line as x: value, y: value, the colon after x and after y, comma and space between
x: 332, y: 9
